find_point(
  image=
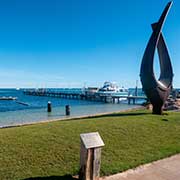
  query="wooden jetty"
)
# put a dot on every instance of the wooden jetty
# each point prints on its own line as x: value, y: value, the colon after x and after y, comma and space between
x: 95, y: 96
x: 55, y: 94
x: 129, y: 98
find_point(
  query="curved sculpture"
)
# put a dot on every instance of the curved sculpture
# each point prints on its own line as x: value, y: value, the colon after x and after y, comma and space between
x: 157, y: 90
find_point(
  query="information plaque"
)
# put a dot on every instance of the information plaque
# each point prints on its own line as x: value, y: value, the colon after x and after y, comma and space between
x: 92, y: 140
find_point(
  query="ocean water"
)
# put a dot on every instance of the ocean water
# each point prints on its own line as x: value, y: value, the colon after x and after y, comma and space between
x: 13, y: 113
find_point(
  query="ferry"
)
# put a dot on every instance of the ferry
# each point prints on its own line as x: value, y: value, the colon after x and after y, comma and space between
x: 112, y: 89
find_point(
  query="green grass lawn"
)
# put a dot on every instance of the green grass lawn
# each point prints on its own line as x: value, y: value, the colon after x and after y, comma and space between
x: 52, y: 149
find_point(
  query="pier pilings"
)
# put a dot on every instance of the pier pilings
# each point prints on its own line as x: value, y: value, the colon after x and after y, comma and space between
x: 84, y: 96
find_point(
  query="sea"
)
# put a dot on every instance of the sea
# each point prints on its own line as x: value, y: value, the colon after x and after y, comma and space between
x: 34, y: 108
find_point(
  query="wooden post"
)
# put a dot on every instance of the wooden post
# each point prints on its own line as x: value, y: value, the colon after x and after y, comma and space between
x: 134, y: 100
x: 136, y: 88
x: 129, y: 101
x: 105, y: 99
x: 90, y: 156
x: 67, y: 110
x: 114, y: 100
x: 49, y: 108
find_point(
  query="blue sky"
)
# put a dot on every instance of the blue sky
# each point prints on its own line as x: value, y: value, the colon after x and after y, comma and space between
x: 69, y: 43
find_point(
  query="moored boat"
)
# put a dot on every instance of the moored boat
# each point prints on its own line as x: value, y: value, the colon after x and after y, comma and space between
x: 112, y: 89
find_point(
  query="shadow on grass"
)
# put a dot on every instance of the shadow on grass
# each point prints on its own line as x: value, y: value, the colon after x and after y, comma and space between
x: 120, y: 115
x: 165, y: 120
x: 66, y: 177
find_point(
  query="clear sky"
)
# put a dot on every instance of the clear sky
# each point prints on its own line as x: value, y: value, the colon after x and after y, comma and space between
x: 69, y: 43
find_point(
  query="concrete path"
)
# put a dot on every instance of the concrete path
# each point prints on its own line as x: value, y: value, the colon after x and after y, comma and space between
x: 166, y: 169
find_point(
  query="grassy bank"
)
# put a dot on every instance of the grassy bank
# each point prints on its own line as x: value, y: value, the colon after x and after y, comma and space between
x: 52, y: 149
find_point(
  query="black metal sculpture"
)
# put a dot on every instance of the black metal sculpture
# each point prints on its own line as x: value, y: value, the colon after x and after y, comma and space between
x: 157, y: 90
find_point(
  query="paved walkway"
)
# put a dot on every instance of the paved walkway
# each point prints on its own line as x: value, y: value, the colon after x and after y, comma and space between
x: 166, y: 169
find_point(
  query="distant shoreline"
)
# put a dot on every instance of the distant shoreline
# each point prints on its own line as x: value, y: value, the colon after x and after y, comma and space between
x: 72, y: 118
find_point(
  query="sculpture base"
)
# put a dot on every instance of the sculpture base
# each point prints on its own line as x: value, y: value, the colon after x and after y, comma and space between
x: 157, y: 109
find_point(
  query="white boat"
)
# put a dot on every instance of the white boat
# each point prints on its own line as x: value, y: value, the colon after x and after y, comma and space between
x: 112, y: 89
